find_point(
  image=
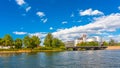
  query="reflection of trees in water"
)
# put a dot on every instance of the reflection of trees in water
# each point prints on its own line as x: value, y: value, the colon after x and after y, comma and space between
x: 51, y: 53
x: 9, y: 54
x: 32, y: 53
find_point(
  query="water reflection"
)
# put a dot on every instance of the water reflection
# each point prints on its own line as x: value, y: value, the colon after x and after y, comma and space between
x: 68, y: 59
x: 9, y: 54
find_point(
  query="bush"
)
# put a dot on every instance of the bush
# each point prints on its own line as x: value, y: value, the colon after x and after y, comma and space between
x: 45, y: 48
x: 62, y: 47
x: 88, y: 44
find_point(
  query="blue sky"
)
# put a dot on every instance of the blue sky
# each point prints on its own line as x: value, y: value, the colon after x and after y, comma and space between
x: 65, y: 19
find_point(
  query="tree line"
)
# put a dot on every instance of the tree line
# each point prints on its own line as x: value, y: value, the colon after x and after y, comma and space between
x: 95, y: 43
x: 30, y: 42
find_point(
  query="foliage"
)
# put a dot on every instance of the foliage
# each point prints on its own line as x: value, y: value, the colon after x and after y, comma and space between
x: 18, y: 43
x: 35, y: 41
x: 92, y: 43
x: 88, y: 44
x: 32, y: 42
x: 70, y: 49
x: 1, y: 42
x: 82, y: 44
x: 56, y: 43
x: 7, y: 40
x: 48, y: 40
x: 26, y: 41
x: 105, y: 43
x: 112, y: 42
x: 45, y: 48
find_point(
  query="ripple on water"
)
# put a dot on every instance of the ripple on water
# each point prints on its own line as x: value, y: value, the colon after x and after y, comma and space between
x: 67, y: 59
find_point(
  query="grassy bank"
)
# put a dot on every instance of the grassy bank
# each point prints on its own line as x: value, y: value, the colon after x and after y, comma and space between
x: 42, y: 49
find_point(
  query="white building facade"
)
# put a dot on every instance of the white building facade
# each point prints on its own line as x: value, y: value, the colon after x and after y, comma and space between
x: 85, y: 39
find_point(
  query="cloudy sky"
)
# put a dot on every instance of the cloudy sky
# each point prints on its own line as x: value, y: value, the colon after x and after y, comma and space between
x: 65, y: 19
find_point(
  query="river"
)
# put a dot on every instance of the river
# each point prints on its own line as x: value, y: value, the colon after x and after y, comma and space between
x: 67, y: 59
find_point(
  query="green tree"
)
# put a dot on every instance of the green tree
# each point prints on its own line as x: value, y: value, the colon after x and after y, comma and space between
x: 36, y: 41
x: 31, y: 42
x: 82, y: 44
x: 93, y: 43
x: 105, y: 43
x: 112, y: 42
x: 26, y: 41
x: 7, y: 40
x: 48, y: 40
x: 1, y: 42
x: 18, y: 43
x: 56, y: 43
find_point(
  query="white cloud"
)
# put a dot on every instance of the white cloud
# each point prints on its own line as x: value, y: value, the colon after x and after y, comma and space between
x: 115, y: 37
x: 119, y: 7
x: 23, y: 4
x: 19, y: 33
x: 38, y: 34
x: 44, y: 20
x: 64, y: 22
x: 90, y: 12
x: 28, y: 8
x: 51, y: 28
x: 20, y: 2
x: 40, y: 14
x: 102, y: 24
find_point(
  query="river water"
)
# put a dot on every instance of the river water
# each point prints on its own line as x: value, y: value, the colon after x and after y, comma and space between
x: 67, y: 59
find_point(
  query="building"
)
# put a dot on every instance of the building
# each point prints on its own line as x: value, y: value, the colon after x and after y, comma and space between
x: 85, y: 39
x: 78, y: 40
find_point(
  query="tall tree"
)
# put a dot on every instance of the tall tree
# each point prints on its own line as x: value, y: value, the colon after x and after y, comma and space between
x: 48, y: 40
x: 26, y: 41
x: 31, y: 42
x: 7, y: 40
x: 1, y: 42
x: 18, y: 43
x: 36, y: 41
x: 112, y: 42
x: 57, y: 43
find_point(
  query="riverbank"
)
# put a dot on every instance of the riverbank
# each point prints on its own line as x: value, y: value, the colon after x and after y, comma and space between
x: 54, y: 50
x: 113, y: 48
x: 28, y: 51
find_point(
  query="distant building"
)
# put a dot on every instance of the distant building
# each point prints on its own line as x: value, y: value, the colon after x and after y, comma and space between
x: 78, y: 40
x: 85, y: 39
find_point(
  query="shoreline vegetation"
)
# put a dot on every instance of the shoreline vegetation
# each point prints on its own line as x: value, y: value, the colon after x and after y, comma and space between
x: 52, y: 50
x: 50, y: 44
x: 30, y: 44
x: 43, y: 49
x: 28, y: 51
